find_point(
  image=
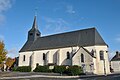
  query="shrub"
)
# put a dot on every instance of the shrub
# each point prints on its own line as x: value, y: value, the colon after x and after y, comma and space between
x: 74, y: 70
x: 42, y: 69
x: 22, y: 69
x: 59, y: 69
x: 14, y: 69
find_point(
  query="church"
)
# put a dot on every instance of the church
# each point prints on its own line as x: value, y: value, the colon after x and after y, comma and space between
x: 84, y: 48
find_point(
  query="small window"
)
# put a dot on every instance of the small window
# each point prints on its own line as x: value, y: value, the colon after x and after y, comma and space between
x: 101, y: 55
x: 37, y: 64
x: 82, y: 58
x: 92, y: 52
x: 43, y: 56
x: 68, y: 55
x: 23, y: 57
x: 38, y: 34
x: 31, y: 34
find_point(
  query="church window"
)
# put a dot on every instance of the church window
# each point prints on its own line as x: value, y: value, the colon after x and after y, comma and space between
x: 38, y: 34
x: 101, y: 55
x: 31, y: 34
x: 37, y: 64
x: 82, y: 57
x: 23, y: 57
x: 68, y: 55
x: 92, y: 52
x: 43, y: 56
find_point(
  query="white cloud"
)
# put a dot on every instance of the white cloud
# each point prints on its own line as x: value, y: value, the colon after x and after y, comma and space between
x: 55, y: 25
x: 2, y: 19
x: 69, y: 9
x: 12, y: 52
x: 118, y: 38
x: 1, y: 37
x: 4, y: 6
x: 111, y: 54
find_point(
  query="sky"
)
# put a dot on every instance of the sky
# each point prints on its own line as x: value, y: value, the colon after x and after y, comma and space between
x: 58, y: 16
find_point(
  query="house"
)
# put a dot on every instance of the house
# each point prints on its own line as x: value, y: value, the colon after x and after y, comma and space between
x: 115, y: 62
x: 84, y: 48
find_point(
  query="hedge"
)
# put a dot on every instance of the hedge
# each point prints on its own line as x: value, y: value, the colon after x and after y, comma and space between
x: 59, y: 69
x: 71, y: 70
x: 22, y: 69
x: 42, y: 69
x: 74, y: 70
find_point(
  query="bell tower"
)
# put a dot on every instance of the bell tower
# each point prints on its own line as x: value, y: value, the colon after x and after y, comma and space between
x: 34, y: 33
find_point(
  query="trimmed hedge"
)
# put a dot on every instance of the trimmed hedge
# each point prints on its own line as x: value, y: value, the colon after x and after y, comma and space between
x: 74, y: 70
x: 42, y: 69
x: 22, y: 69
x: 14, y: 68
x: 59, y: 69
x: 70, y: 70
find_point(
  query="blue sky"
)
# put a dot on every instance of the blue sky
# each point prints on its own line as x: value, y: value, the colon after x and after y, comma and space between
x: 56, y: 16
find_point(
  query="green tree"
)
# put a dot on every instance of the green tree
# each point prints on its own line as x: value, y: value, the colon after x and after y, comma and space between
x: 3, y: 52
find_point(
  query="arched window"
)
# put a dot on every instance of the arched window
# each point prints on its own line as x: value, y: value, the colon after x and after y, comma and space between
x: 92, y: 52
x: 68, y: 55
x: 101, y: 55
x: 23, y: 57
x: 37, y: 64
x: 82, y: 58
x: 38, y: 34
x: 43, y: 56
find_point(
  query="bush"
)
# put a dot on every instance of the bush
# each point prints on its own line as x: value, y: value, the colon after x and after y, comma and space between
x: 74, y: 70
x: 59, y: 69
x: 22, y: 69
x: 42, y: 69
x: 14, y: 69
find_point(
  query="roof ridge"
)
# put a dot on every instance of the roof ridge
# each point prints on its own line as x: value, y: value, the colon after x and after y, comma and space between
x: 68, y: 32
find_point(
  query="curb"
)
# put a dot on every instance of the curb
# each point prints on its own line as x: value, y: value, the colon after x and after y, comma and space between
x: 37, y: 76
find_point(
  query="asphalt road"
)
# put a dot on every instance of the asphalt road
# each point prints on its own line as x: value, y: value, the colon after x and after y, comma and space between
x: 52, y: 76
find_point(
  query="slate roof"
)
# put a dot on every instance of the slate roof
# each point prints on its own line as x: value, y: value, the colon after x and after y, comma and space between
x: 116, y: 57
x: 84, y: 37
x: 90, y: 53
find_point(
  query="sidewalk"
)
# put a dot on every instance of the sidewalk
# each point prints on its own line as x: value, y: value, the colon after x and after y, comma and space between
x: 42, y: 76
x: 24, y: 75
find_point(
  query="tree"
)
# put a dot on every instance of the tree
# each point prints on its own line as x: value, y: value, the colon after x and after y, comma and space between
x: 3, y: 52
x: 9, y: 62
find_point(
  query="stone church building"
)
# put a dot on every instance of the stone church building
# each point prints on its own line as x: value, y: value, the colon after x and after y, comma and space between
x: 84, y: 48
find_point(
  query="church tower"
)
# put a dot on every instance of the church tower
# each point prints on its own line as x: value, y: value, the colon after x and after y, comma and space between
x: 34, y: 33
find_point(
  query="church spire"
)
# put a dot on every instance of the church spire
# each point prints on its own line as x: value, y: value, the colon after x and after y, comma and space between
x: 34, y: 33
x: 35, y: 21
x: 35, y: 24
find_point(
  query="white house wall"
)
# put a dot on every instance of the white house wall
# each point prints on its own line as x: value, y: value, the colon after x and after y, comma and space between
x: 27, y: 58
x: 88, y: 60
x: 115, y: 66
x: 59, y: 57
x: 100, y: 63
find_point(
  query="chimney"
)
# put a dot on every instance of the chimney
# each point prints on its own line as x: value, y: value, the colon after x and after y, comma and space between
x: 117, y: 54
